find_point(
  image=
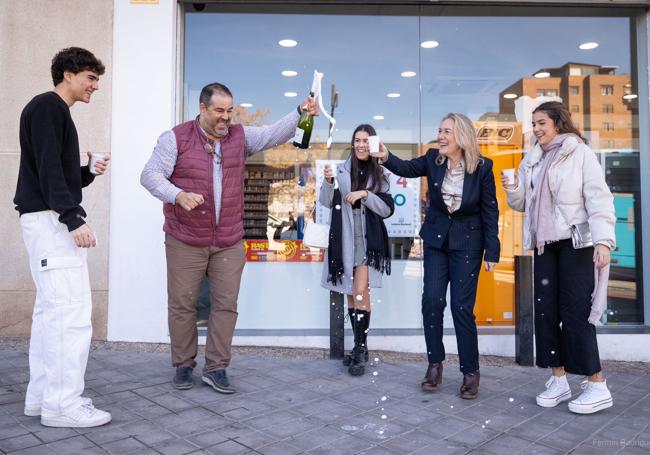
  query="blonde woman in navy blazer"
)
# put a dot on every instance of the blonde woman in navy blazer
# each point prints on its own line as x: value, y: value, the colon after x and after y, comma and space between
x: 460, y: 231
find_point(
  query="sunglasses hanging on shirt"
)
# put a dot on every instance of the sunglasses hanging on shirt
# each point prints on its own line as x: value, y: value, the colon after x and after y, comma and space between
x: 210, y: 148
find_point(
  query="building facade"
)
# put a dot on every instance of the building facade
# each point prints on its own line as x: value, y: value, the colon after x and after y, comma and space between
x: 397, y: 65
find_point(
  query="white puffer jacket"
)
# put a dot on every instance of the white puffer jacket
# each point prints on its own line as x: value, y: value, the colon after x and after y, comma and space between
x: 578, y: 189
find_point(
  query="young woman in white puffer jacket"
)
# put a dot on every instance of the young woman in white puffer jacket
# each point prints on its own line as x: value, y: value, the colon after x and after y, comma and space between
x: 560, y: 183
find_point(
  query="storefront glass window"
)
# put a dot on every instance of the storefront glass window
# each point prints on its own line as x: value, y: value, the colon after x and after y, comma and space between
x: 402, y: 74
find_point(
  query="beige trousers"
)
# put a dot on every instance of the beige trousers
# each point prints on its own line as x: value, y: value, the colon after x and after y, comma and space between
x: 186, y: 267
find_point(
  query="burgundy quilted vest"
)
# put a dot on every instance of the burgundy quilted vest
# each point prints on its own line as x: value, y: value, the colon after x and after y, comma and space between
x: 193, y: 174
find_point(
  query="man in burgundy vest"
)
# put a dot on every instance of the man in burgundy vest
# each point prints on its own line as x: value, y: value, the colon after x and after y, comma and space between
x: 197, y: 170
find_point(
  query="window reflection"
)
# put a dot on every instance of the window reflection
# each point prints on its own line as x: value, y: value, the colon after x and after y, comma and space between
x: 498, y: 86
x: 402, y: 74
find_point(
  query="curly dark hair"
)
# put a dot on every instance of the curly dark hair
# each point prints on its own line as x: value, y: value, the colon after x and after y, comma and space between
x: 74, y: 60
x: 561, y: 118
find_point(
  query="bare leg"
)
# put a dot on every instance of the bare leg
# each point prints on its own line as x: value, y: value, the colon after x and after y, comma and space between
x: 558, y: 371
x: 361, y: 291
x: 597, y: 377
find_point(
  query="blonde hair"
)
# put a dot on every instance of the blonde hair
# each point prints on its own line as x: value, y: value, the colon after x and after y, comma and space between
x: 465, y: 134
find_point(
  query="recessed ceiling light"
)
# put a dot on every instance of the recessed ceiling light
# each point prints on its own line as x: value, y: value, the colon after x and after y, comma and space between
x: 408, y: 74
x: 246, y: 105
x: 542, y: 74
x: 378, y: 117
x: 393, y: 95
x: 630, y: 96
x: 588, y: 46
x: 290, y: 94
x: 429, y: 44
x: 289, y: 73
x: 510, y: 96
x: 288, y: 43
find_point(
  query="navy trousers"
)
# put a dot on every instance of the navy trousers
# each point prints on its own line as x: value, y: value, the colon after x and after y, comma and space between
x: 458, y: 269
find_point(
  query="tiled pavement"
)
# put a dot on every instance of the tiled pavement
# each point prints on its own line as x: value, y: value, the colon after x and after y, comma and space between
x: 311, y: 405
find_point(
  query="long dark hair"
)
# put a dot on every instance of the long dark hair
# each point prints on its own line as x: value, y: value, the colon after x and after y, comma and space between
x: 561, y: 117
x: 374, y: 170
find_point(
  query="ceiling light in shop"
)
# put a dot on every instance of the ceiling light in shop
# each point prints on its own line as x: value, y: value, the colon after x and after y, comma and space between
x: 290, y: 94
x: 542, y: 74
x: 408, y: 74
x: 288, y: 43
x: 630, y: 96
x: 378, y: 117
x: 393, y: 95
x: 588, y: 46
x: 289, y: 73
x: 246, y: 105
x: 429, y: 44
x: 510, y: 96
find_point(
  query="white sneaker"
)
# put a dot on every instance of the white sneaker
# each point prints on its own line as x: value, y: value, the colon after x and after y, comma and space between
x: 596, y: 397
x: 84, y: 416
x: 557, y: 391
x: 34, y: 410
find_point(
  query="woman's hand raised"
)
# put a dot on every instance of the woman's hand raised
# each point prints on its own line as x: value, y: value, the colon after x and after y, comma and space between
x: 328, y: 173
x: 506, y: 182
x: 383, y: 153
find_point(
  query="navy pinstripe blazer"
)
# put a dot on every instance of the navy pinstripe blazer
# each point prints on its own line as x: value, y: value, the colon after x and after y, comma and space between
x: 475, y: 225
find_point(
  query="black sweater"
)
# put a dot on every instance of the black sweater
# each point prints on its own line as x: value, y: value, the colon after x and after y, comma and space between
x: 50, y: 175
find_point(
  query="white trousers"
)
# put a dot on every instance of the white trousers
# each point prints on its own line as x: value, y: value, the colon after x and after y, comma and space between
x: 61, y: 327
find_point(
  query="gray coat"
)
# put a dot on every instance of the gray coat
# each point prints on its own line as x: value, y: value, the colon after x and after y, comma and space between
x: 373, y: 203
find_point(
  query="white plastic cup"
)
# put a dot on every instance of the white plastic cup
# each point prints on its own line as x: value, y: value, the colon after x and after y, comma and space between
x: 510, y: 175
x: 93, y: 161
x: 373, y: 143
x: 332, y: 166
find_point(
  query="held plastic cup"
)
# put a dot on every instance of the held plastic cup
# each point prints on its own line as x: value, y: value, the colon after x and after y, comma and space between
x: 373, y: 143
x: 510, y: 175
x: 93, y: 161
x: 333, y: 167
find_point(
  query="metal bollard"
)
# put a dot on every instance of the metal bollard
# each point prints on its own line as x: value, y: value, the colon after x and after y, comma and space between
x: 336, y: 325
x: 524, y: 311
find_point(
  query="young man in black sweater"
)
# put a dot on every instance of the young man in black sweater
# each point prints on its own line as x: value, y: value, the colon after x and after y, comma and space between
x: 48, y: 197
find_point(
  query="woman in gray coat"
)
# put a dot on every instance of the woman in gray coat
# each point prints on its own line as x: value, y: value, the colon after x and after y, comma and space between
x: 358, y: 253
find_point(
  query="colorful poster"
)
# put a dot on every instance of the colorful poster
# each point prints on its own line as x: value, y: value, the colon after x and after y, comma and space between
x: 405, y: 222
x: 281, y: 251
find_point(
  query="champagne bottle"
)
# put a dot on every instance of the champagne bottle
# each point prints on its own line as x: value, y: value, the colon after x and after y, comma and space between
x: 304, y: 128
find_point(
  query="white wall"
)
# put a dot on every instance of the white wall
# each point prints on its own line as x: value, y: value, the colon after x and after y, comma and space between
x: 289, y: 296
x: 624, y: 347
x: 144, y: 85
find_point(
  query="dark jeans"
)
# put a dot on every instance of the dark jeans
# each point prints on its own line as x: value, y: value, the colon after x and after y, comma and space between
x: 460, y: 270
x: 564, y: 281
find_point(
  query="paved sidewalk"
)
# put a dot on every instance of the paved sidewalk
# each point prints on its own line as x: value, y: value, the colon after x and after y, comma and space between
x: 287, y: 405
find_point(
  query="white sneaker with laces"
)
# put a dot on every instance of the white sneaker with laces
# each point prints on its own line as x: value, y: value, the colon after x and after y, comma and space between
x: 557, y: 391
x: 34, y: 410
x: 596, y: 397
x: 84, y: 416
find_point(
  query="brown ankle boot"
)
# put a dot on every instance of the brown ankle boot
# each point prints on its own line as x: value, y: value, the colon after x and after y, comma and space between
x: 469, y: 389
x: 433, y: 377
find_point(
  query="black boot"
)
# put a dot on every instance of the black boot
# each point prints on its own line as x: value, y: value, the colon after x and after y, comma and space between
x: 347, y: 358
x: 360, y: 351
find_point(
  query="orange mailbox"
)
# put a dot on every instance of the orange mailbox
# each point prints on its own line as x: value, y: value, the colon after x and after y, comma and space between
x: 495, y: 302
